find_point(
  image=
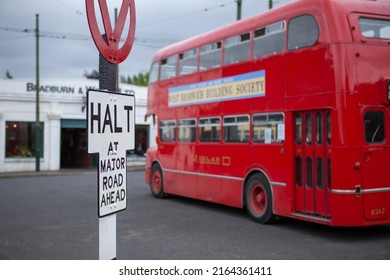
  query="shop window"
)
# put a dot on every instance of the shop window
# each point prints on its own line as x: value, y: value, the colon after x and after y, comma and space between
x: 21, y: 139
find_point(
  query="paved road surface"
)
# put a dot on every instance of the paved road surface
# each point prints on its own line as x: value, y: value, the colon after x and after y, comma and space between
x: 55, y: 217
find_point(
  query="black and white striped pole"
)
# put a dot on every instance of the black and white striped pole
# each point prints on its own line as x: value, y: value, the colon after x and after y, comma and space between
x: 110, y: 120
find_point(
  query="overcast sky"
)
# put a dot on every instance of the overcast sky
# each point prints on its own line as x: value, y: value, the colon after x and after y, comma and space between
x: 66, y: 47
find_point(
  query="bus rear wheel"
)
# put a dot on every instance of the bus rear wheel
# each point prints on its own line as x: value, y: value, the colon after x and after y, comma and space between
x: 156, y: 181
x: 258, y: 199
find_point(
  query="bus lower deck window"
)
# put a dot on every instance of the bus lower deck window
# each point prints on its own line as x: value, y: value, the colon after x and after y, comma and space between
x: 168, y: 131
x: 236, y: 129
x: 374, y: 124
x: 210, y: 129
x: 268, y: 128
x: 187, y: 130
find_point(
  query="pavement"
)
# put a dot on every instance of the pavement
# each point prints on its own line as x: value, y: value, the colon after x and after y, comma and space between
x: 133, y: 164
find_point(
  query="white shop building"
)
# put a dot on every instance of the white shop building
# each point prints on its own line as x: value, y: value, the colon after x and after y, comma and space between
x: 63, y: 124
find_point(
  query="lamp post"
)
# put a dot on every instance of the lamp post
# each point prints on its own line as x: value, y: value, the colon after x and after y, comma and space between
x: 239, y: 6
x: 37, y: 121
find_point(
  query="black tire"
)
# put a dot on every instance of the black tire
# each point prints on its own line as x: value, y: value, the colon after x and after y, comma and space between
x: 156, y: 181
x: 258, y: 199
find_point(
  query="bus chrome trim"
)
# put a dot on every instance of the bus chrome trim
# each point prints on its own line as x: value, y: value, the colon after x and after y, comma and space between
x: 377, y: 190
x: 204, y: 175
x: 343, y: 191
x: 311, y: 217
x: 278, y: 184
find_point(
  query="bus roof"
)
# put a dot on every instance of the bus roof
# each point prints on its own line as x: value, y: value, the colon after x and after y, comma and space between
x: 338, y: 9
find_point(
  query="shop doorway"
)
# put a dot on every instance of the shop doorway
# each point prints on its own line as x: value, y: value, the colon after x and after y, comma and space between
x: 74, y: 150
x: 141, y: 140
x: 74, y: 153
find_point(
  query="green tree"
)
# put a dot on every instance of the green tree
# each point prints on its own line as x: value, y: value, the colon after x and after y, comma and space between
x: 141, y: 79
x: 94, y: 75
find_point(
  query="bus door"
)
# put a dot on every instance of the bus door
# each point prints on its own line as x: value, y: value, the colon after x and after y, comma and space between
x: 312, y: 162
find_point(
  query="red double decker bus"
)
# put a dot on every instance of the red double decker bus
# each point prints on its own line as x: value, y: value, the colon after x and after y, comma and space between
x: 286, y: 113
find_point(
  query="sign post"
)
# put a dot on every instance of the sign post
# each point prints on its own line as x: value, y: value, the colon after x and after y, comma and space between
x: 110, y: 125
x: 111, y: 120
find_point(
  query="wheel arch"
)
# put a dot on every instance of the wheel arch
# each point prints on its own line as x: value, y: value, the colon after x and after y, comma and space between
x: 247, y: 178
x: 160, y: 192
x: 157, y: 162
x: 258, y: 196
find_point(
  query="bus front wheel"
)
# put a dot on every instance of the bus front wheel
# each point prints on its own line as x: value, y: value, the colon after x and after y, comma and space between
x: 258, y: 199
x: 156, y: 181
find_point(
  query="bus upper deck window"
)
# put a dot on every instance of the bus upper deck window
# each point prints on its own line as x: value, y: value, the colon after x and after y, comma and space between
x: 210, y: 56
x: 153, y: 74
x: 188, y: 62
x: 269, y: 39
x: 237, y: 48
x: 302, y: 32
x: 168, y: 68
x: 374, y: 124
x: 375, y: 28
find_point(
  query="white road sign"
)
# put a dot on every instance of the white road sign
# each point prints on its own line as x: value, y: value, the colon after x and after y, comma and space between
x: 110, y: 125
